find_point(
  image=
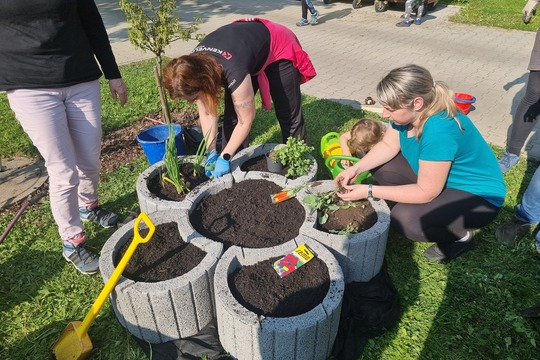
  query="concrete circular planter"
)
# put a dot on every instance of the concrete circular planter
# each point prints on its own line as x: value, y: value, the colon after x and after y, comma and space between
x: 167, y: 310
x: 149, y: 202
x: 245, y: 335
x: 261, y: 150
x: 362, y: 254
x: 187, y: 230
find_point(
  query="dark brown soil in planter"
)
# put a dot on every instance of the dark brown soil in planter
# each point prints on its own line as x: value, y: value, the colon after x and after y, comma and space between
x: 258, y: 163
x: 167, y: 191
x: 260, y: 289
x: 245, y: 216
x: 361, y: 217
x: 164, y: 257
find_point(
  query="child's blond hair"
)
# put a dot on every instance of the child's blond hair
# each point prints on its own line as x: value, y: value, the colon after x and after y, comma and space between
x: 365, y: 134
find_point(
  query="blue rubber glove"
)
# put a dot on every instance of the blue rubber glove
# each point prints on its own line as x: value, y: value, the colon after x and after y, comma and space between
x: 210, y: 163
x: 222, y: 167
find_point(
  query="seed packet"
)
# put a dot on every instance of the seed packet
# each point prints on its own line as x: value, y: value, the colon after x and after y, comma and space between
x: 292, y: 261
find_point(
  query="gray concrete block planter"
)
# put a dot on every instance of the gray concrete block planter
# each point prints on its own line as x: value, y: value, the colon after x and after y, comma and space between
x: 149, y: 202
x: 245, y: 335
x: 166, y: 310
x: 361, y: 255
x: 259, y: 150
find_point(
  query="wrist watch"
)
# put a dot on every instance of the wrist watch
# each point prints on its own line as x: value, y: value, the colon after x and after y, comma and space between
x: 226, y: 156
x: 370, y: 192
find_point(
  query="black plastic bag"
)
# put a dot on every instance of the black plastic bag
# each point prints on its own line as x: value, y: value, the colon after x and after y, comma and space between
x: 369, y: 308
x: 206, y: 342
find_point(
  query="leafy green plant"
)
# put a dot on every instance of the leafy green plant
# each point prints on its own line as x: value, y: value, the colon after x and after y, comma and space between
x: 172, y: 174
x: 152, y: 28
x: 198, y: 163
x: 325, y: 203
x: 295, y: 155
x: 348, y: 231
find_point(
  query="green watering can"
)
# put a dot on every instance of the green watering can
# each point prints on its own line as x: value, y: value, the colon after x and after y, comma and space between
x: 332, y: 155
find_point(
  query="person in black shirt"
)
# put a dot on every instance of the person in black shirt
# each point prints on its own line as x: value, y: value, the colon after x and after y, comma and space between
x: 242, y: 57
x: 49, y: 70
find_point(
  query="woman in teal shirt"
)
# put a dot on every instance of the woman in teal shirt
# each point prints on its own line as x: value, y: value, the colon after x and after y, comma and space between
x: 432, y: 162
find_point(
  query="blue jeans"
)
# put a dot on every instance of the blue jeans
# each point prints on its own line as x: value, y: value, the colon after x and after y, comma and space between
x: 529, y: 209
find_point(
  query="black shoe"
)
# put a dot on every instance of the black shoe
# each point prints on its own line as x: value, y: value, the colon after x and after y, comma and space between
x: 511, y: 231
x: 442, y: 252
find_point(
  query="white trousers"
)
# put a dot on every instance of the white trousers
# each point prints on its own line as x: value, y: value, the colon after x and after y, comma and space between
x: 65, y: 126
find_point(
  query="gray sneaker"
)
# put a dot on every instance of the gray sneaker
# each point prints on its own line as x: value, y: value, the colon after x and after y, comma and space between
x: 302, y: 22
x: 314, y: 18
x: 507, y: 161
x: 512, y: 231
x: 84, y: 260
x: 99, y: 215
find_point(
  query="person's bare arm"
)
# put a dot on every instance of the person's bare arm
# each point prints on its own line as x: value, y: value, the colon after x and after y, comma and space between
x: 432, y: 176
x: 244, y: 104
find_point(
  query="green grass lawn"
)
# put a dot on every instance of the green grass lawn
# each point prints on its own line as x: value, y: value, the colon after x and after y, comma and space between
x: 505, y: 14
x: 467, y: 309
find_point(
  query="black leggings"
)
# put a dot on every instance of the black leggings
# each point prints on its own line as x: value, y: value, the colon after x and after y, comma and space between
x: 526, y: 114
x: 446, y: 218
x: 284, y: 80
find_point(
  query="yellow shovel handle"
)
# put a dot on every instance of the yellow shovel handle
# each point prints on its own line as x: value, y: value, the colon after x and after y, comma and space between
x: 102, y: 297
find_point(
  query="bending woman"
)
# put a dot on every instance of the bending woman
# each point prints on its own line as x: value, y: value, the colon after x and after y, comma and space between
x: 432, y: 162
x: 242, y: 57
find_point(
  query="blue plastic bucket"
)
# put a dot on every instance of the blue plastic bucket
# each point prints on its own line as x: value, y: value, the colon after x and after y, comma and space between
x: 153, y: 139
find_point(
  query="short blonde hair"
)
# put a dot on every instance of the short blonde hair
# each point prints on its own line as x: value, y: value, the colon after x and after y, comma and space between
x: 365, y: 134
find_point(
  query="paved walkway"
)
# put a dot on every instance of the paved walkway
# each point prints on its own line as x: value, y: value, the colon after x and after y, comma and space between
x: 352, y: 49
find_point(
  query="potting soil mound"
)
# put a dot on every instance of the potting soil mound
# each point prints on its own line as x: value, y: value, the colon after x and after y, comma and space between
x: 357, y: 218
x: 260, y: 289
x: 164, y: 257
x: 244, y: 215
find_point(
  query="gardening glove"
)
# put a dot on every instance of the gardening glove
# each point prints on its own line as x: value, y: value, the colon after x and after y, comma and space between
x: 529, y: 11
x: 222, y: 167
x: 210, y: 163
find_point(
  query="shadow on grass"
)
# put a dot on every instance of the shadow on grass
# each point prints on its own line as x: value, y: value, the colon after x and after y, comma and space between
x: 486, y: 289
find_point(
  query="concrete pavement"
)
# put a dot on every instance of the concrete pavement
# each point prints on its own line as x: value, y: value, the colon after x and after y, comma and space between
x: 352, y: 49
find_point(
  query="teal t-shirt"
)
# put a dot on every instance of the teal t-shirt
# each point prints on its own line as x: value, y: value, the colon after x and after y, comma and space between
x: 474, y: 166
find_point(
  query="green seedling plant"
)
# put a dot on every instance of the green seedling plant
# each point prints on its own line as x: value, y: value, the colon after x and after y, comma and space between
x: 295, y: 155
x: 326, y: 203
x: 348, y: 231
x: 172, y: 173
x: 198, y: 163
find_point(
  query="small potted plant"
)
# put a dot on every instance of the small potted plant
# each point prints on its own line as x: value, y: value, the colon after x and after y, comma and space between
x: 295, y: 155
x: 273, y: 163
x: 252, y: 162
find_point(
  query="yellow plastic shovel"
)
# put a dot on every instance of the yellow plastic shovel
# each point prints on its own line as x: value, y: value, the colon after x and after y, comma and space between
x: 74, y: 342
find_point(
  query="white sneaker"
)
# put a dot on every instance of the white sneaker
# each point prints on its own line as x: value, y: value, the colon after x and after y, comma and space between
x: 507, y: 161
x: 314, y: 18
